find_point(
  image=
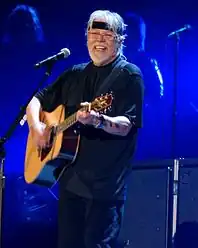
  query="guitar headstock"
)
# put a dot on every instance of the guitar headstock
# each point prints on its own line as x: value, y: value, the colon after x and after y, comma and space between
x: 102, y: 103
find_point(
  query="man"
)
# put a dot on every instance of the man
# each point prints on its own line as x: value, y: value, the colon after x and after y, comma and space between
x: 138, y: 54
x: 23, y: 23
x: 92, y: 190
x: 154, y: 121
x: 22, y: 42
x: 23, y: 34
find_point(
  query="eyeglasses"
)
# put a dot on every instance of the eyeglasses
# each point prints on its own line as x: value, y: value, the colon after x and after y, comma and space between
x: 95, y: 36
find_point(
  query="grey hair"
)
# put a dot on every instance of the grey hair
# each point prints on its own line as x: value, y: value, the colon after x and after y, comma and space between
x: 115, y: 22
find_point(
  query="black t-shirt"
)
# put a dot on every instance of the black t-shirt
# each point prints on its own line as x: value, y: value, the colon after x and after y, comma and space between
x: 103, y: 160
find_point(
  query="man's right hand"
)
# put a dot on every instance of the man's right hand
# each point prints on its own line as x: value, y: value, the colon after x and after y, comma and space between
x: 40, y: 135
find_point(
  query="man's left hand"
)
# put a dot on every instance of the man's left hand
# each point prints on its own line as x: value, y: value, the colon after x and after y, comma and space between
x: 87, y: 118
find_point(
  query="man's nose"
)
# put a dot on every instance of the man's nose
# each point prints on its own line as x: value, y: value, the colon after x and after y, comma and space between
x: 100, y: 37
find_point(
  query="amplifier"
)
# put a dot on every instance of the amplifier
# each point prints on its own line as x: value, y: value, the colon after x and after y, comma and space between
x: 187, y: 219
x: 146, y: 209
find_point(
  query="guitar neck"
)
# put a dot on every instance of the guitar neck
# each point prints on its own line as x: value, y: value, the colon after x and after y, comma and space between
x: 100, y: 103
x: 68, y: 122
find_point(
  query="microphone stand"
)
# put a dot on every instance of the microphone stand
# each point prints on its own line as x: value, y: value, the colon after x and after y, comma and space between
x: 8, y: 135
x: 173, y: 188
x: 175, y: 86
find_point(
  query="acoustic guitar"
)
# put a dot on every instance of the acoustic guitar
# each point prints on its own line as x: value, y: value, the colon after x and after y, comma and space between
x: 44, y: 166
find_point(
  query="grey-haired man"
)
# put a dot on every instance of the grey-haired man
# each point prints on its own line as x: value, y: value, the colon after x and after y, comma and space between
x: 93, y: 189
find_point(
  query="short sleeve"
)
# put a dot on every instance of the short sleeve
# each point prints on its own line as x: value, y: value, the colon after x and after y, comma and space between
x: 133, y: 107
x: 53, y: 95
x: 129, y: 99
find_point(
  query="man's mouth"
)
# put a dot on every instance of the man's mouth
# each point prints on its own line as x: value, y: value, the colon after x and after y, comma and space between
x: 100, y: 48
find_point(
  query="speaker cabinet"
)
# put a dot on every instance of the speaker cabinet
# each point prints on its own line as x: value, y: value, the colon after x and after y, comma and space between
x: 187, y: 229
x: 145, y: 217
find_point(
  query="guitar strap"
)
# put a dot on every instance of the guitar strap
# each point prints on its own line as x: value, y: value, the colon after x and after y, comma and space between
x: 106, y: 85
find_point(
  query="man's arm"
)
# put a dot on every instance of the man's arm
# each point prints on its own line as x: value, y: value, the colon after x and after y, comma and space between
x: 47, y: 100
x: 128, y: 110
x: 119, y: 125
x: 40, y: 136
x: 33, y: 112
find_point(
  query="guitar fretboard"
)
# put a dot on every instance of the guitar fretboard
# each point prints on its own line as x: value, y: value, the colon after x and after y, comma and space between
x: 68, y: 122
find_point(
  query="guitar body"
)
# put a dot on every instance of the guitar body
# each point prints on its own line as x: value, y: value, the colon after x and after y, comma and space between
x: 43, y: 167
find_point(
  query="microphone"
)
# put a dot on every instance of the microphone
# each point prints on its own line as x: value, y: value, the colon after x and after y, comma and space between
x: 64, y: 53
x: 185, y: 28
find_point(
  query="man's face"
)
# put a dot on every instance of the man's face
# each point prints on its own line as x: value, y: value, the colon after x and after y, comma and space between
x: 102, y: 45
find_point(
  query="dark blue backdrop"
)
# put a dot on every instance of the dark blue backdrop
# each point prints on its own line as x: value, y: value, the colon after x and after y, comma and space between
x: 63, y: 24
